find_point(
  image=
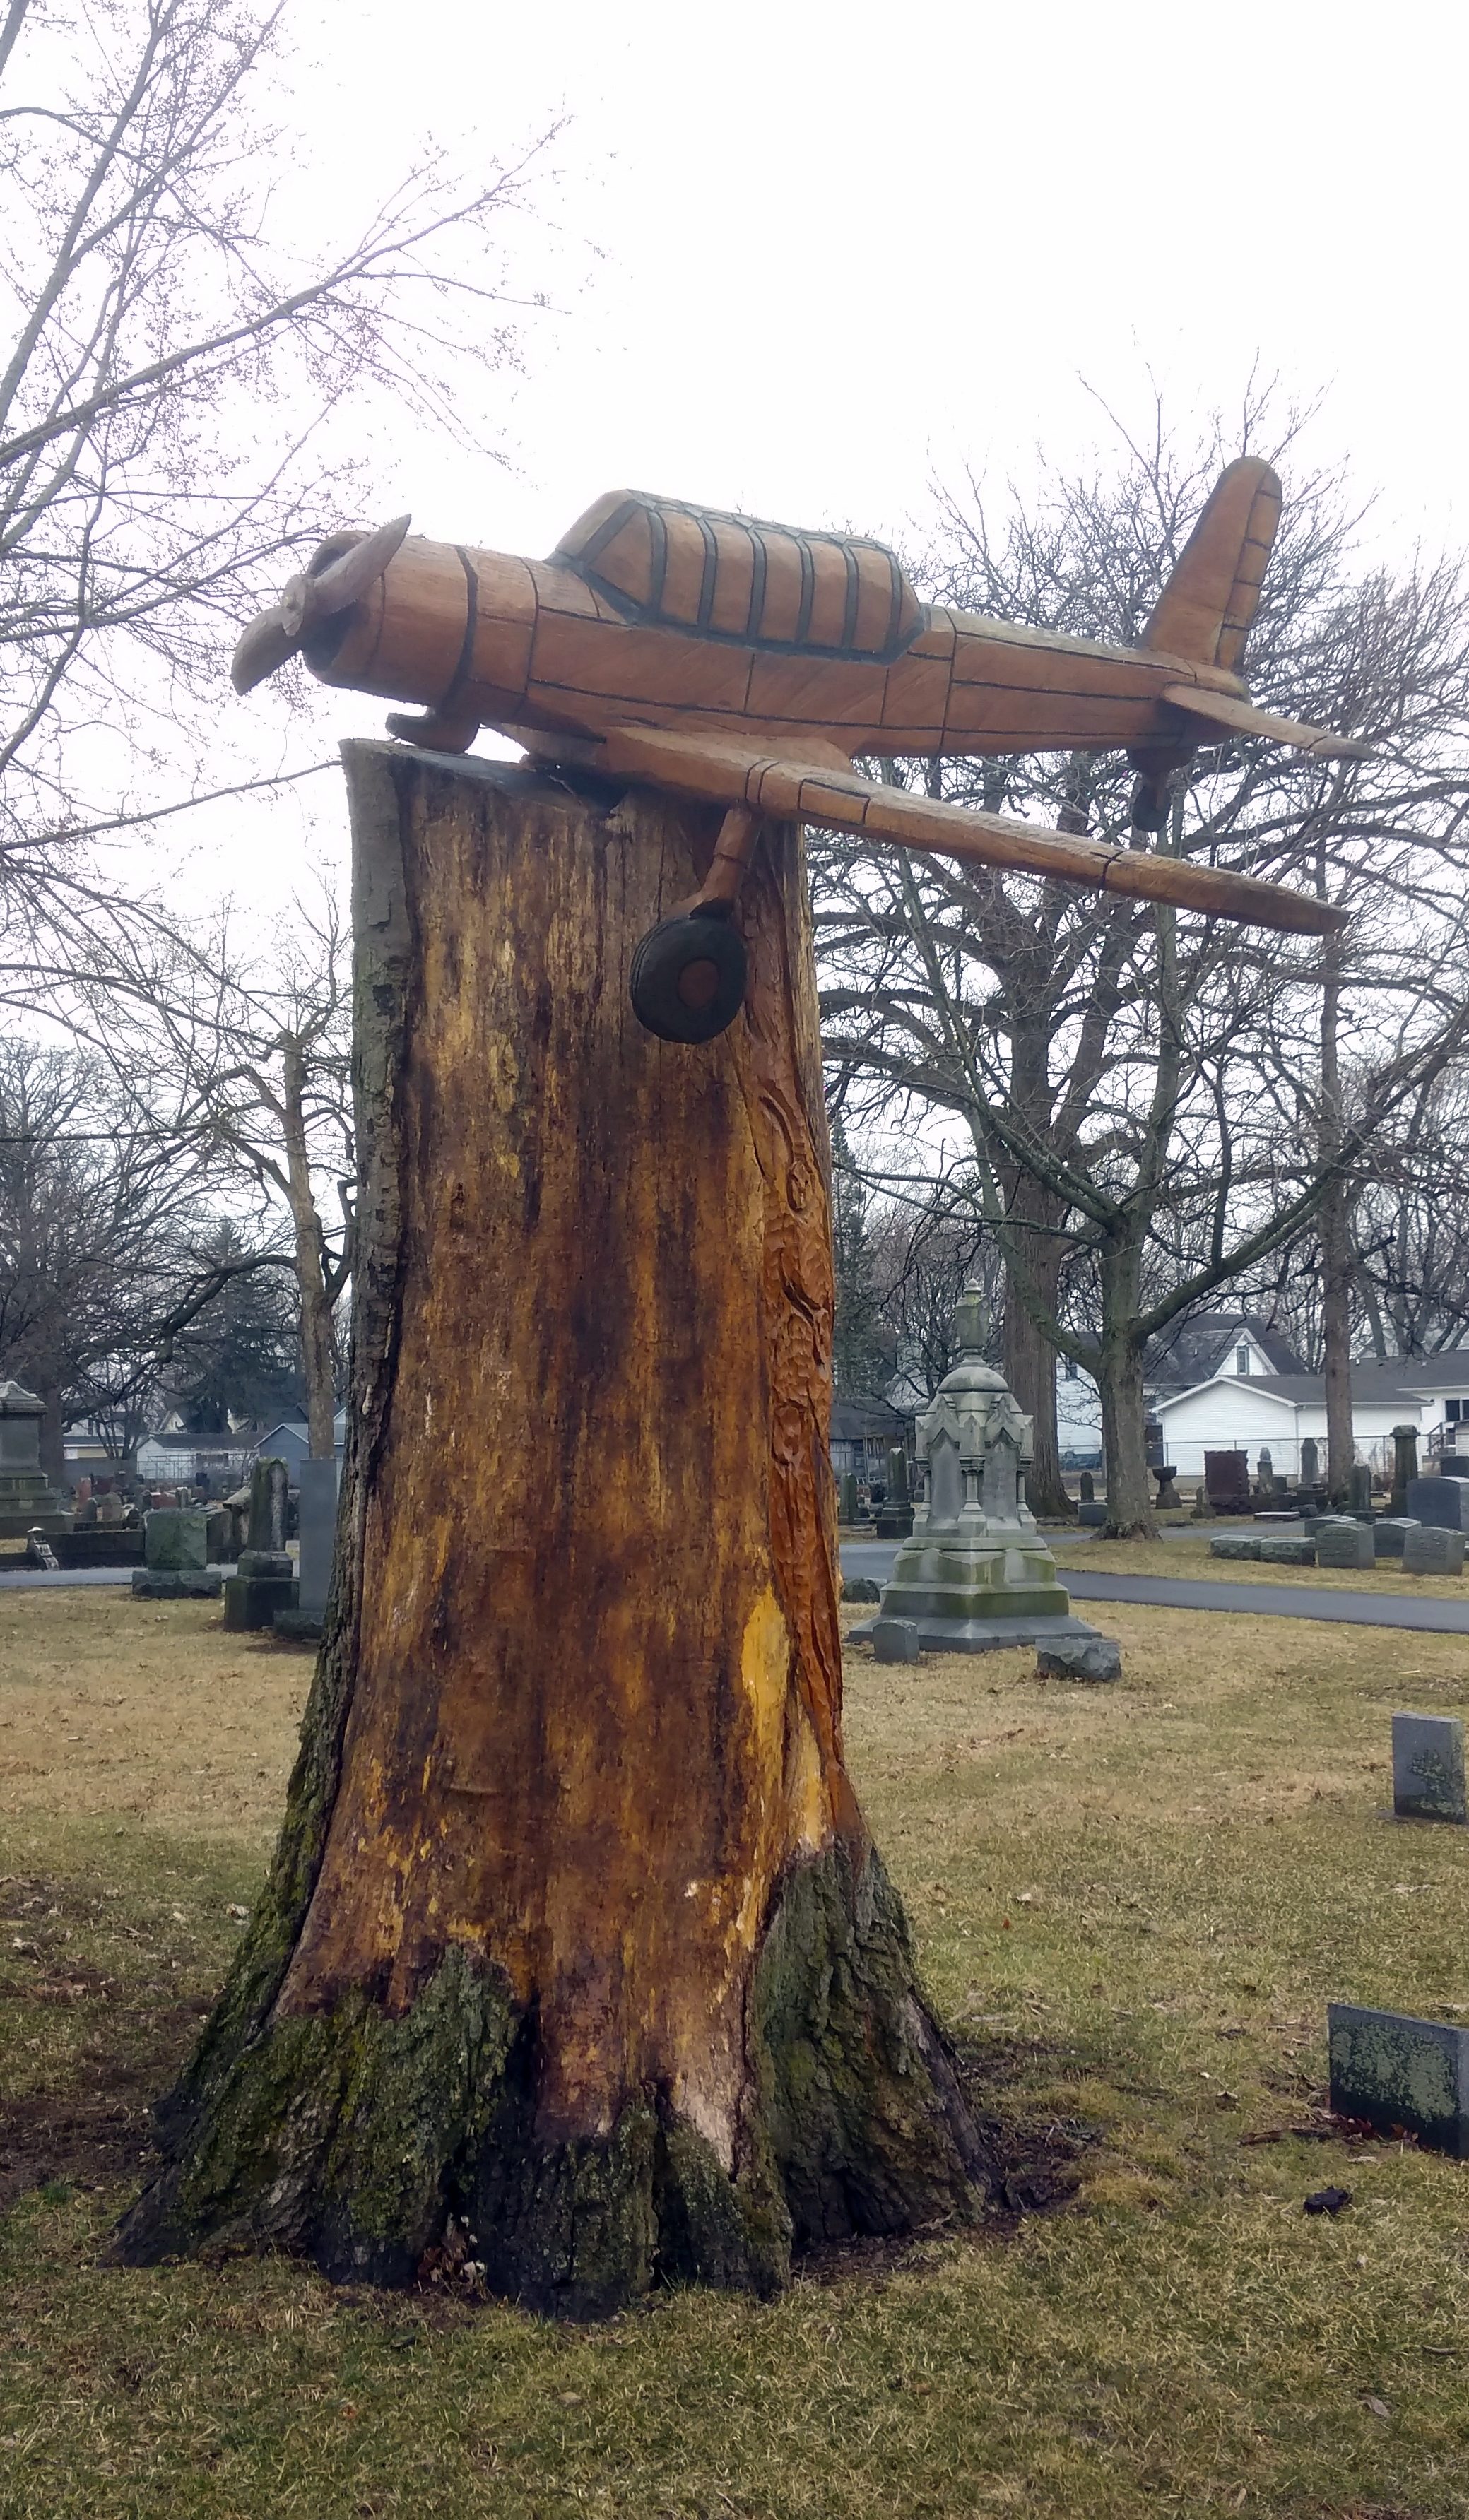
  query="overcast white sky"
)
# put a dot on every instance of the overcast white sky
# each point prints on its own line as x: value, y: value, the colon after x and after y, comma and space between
x: 806, y: 257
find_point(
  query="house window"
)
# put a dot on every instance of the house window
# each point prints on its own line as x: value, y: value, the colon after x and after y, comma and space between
x: 1453, y: 1410
x: 1242, y: 1359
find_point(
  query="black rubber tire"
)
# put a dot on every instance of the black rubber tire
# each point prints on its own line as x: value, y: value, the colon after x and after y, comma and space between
x: 688, y: 978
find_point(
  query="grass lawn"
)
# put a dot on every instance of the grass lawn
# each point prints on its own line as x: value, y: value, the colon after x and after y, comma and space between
x: 1190, y: 1557
x: 1132, y: 1905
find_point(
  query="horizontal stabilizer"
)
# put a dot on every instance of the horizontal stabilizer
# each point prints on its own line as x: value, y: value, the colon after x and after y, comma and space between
x: 833, y: 795
x: 1230, y: 716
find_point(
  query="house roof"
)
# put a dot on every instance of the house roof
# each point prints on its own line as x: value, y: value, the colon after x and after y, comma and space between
x: 1376, y: 1381
x: 1195, y: 1352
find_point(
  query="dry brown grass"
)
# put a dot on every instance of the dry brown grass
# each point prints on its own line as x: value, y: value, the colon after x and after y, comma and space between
x: 110, y: 1706
x: 1132, y: 1901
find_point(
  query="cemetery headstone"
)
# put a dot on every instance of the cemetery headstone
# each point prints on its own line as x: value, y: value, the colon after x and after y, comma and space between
x: 1234, y: 1546
x: 975, y: 1572
x: 174, y: 1540
x: 1310, y: 1461
x: 112, y: 1512
x: 896, y: 1641
x: 1401, y: 2075
x: 1429, y: 1550
x: 848, y: 1497
x: 1405, y: 1466
x: 1288, y: 1553
x: 1168, y: 1500
x: 860, y: 1588
x: 1264, y: 1471
x: 174, y: 1564
x: 1226, y: 1481
x: 1359, y: 1488
x: 1428, y: 1768
x: 28, y: 1500
x: 1091, y: 1515
x: 1438, y: 1501
x: 1390, y: 1532
x: 1341, y: 1541
x: 895, y: 1521
x: 263, y: 1582
x: 1086, y: 1487
x: 317, y: 1526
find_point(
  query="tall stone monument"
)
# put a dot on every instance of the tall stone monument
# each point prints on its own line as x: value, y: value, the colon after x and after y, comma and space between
x: 26, y: 1499
x: 976, y: 1573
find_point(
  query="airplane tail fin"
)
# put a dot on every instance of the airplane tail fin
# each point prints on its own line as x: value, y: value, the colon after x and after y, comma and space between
x: 1205, y: 611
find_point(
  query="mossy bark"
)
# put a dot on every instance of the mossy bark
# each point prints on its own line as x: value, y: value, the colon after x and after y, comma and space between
x: 573, y: 1933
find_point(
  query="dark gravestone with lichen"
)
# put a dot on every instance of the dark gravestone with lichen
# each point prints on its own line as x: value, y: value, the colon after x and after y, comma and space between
x: 1403, y: 2076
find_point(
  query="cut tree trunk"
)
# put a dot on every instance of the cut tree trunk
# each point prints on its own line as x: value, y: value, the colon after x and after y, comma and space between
x: 576, y: 1955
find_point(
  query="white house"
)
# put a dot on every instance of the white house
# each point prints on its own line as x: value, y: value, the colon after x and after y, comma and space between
x: 1240, y: 1408
x: 1227, y: 1383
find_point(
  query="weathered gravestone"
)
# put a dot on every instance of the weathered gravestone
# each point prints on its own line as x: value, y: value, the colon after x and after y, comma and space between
x: 1234, y: 1544
x: 316, y: 1530
x: 28, y: 1500
x: 175, y: 1554
x: 1437, y: 1500
x: 1265, y: 1472
x: 1226, y: 1481
x: 263, y: 1582
x: 1359, y: 1489
x: 1428, y: 1768
x: 1401, y: 2075
x: 1429, y: 1549
x: 1167, y: 1499
x: 1086, y: 1487
x: 1310, y: 1461
x: 894, y: 1518
x: 1390, y: 1533
x: 1341, y: 1541
x: 976, y: 1573
x: 848, y: 1495
x: 1404, y: 1466
x: 896, y: 1641
x: 1288, y: 1553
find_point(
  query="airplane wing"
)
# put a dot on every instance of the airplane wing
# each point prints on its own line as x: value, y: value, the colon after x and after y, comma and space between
x: 788, y: 788
x: 1220, y: 711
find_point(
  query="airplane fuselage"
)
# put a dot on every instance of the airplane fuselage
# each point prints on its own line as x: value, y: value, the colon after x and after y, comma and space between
x: 480, y: 636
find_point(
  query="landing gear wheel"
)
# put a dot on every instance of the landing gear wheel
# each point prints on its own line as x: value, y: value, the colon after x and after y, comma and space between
x: 688, y: 978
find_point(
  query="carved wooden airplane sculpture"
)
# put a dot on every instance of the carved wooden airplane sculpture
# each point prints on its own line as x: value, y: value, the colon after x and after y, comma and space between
x: 744, y: 663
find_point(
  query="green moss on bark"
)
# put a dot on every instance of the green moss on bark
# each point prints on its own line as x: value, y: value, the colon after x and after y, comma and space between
x: 352, y: 2137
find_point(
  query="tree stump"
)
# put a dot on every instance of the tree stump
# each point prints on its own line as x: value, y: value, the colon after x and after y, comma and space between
x: 573, y: 1933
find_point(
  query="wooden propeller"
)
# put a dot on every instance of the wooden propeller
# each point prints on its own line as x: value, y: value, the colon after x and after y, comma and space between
x: 338, y: 576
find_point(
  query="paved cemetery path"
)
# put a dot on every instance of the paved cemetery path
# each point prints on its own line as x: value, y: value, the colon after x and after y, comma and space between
x: 874, y: 1558
x: 26, y: 1579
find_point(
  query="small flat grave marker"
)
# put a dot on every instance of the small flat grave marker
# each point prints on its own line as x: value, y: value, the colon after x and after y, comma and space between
x: 1401, y: 2074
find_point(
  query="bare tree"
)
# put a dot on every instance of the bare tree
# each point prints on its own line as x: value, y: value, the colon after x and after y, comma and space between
x: 172, y: 360
x: 1106, y: 1059
x: 98, y: 1198
x: 257, y: 1046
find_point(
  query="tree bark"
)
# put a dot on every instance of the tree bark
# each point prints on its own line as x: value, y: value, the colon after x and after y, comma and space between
x: 1031, y: 1371
x: 1336, y: 1246
x: 1124, y: 1417
x: 317, y: 1354
x: 575, y: 1932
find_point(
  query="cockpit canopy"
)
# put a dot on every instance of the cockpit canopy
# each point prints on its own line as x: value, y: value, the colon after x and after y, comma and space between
x: 681, y: 567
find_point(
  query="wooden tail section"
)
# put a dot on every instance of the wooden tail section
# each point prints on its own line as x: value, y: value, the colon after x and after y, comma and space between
x: 1205, y: 611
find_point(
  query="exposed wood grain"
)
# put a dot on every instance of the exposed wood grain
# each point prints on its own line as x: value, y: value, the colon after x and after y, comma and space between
x: 573, y: 1798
